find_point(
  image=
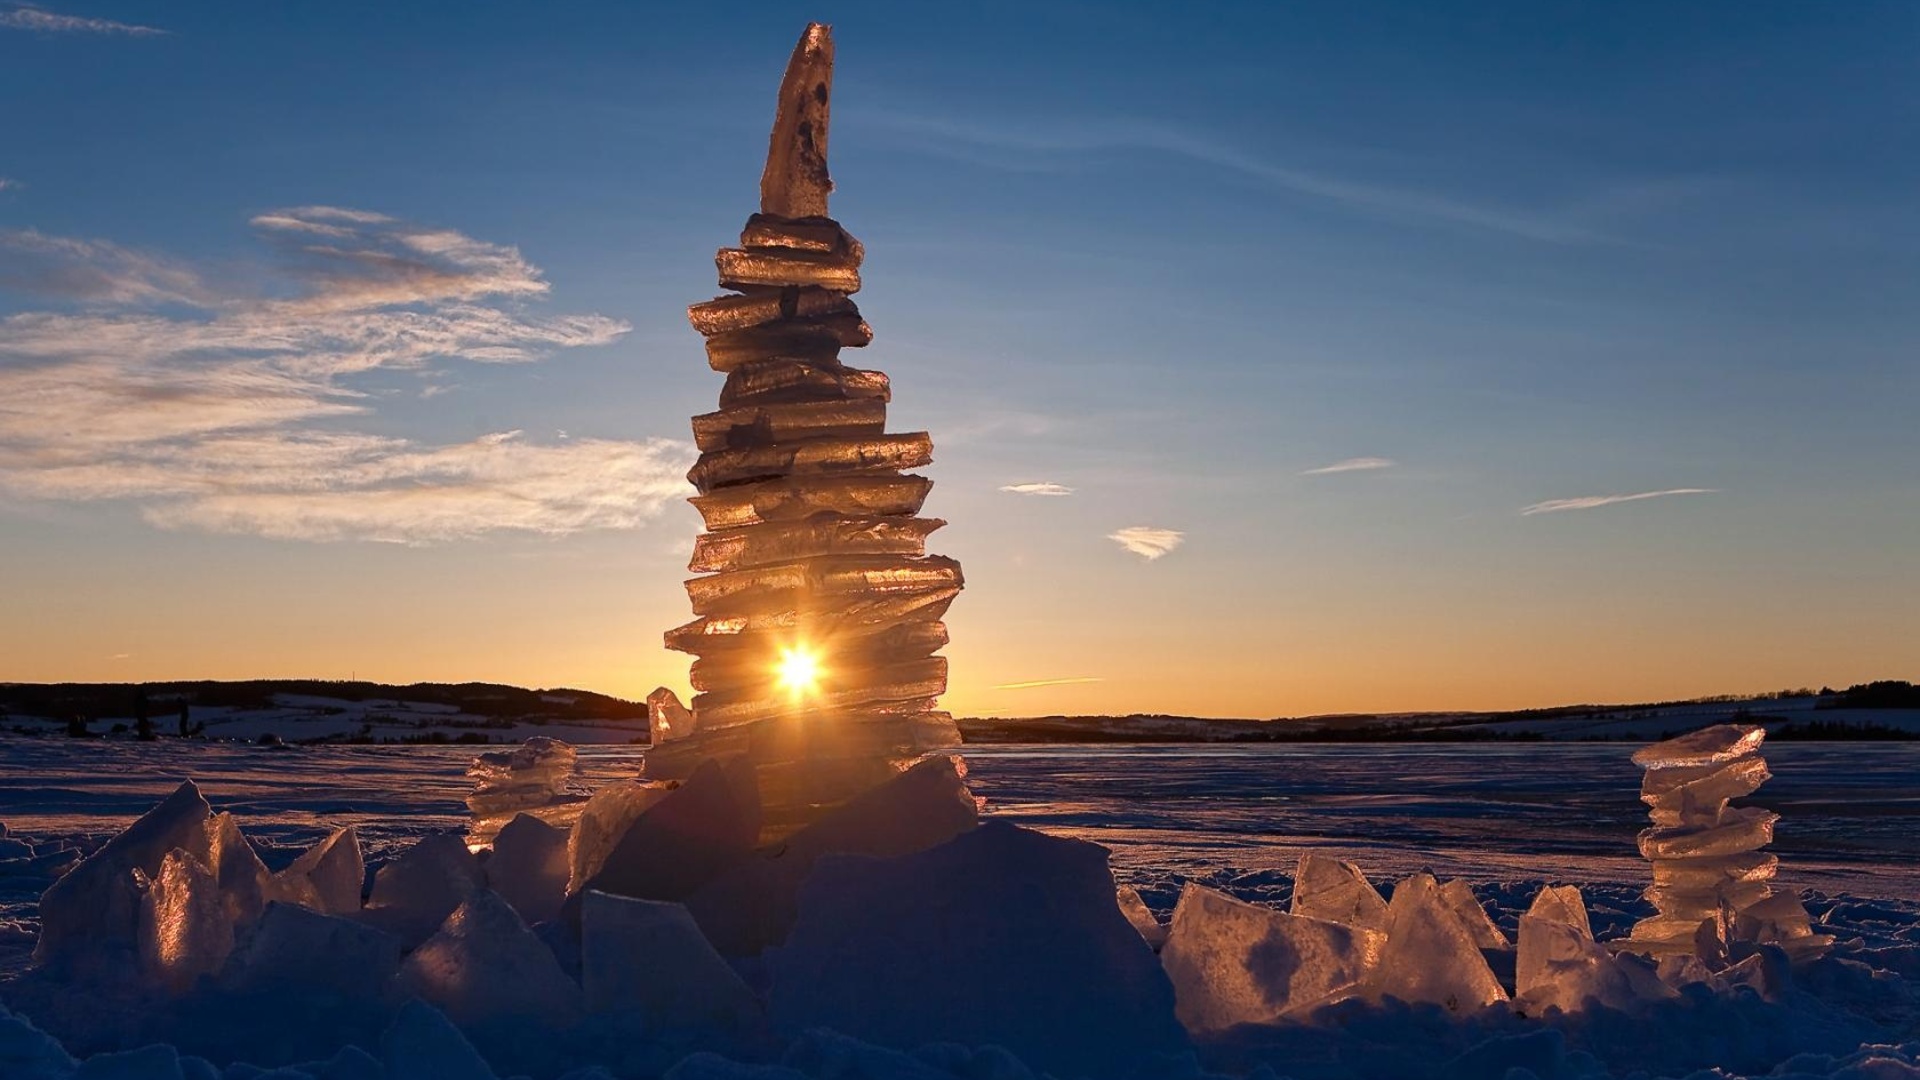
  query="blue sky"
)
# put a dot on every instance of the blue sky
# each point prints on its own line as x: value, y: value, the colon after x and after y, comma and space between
x: 1174, y: 258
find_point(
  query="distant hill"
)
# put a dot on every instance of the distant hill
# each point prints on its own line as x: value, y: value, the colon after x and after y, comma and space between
x: 320, y: 711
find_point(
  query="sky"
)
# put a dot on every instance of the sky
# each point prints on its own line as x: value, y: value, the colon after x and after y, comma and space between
x: 1280, y: 359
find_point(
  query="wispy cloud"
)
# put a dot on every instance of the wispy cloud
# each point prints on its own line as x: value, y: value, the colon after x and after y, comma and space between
x: 8, y: 183
x: 1037, y: 488
x: 1588, y: 502
x: 942, y: 136
x: 1037, y: 683
x: 1147, y: 542
x: 1358, y: 464
x: 220, y: 411
x: 28, y: 17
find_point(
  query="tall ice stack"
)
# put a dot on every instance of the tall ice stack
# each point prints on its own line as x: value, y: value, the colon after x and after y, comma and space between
x: 818, y: 609
x: 1712, y: 885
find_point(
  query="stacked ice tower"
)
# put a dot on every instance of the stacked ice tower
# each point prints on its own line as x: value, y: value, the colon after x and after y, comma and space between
x: 1712, y: 885
x: 818, y: 608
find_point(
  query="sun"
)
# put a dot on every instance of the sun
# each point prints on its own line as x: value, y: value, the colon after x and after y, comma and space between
x: 799, y: 670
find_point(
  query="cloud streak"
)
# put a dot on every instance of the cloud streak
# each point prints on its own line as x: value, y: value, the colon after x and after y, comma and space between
x: 26, y: 17
x: 1589, y: 502
x: 1038, y: 683
x: 8, y: 183
x: 1146, y: 541
x: 1358, y: 464
x: 223, y: 412
x: 1037, y: 488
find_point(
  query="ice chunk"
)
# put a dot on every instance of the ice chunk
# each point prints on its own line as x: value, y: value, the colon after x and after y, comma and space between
x: 531, y: 776
x: 744, y: 268
x: 795, y: 182
x: 242, y: 877
x: 1237, y: 963
x: 758, y: 545
x: 823, y: 235
x: 754, y: 425
x: 27, y: 1053
x: 869, y: 690
x: 724, y: 313
x: 1459, y: 896
x: 753, y: 904
x: 1558, y: 964
x: 686, y: 839
x: 328, y: 876
x: 758, y: 655
x: 648, y: 957
x: 853, y: 617
x: 1714, y: 870
x: 1430, y: 956
x: 293, y: 947
x: 1135, y: 909
x: 606, y: 818
x: 528, y: 867
x: 876, y: 495
x: 1781, y: 919
x: 854, y: 577
x: 422, y: 1045
x: 1334, y: 890
x: 1740, y: 829
x: 817, y: 339
x: 1002, y: 935
x: 779, y: 380
x: 414, y: 894
x: 1708, y: 746
x: 93, y: 910
x: 667, y: 718
x: 824, y: 456
x: 186, y: 927
x: 1699, y: 794
x: 484, y: 967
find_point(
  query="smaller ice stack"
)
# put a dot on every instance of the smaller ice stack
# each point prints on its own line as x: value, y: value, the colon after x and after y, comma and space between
x: 1712, y: 885
x: 529, y: 779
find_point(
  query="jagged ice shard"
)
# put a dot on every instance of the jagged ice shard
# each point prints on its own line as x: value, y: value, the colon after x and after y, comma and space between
x: 818, y: 606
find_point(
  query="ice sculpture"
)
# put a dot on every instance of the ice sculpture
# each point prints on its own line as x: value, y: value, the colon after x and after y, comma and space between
x: 1712, y: 885
x: 819, y: 609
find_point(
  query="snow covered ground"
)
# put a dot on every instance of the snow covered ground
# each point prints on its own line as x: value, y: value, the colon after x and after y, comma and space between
x: 1507, y: 818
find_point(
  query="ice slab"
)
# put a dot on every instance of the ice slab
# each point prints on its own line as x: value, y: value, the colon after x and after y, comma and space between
x: 423, y: 1045
x: 687, y: 838
x: 528, y: 867
x: 1334, y: 890
x: 877, y: 495
x: 243, y: 879
x: 759, y: 424
x: 819, y: 234
x: 1559, y: 966
x: 485, y: 967
x: 795, y: 183
x: 1740, y: 829
x: 1430, y: 956
x: 817, y: 339
x: 186, y: 929
x: 872, y: 690
x: 759, y: 655
x: 647, y: 957
x: 746, y: 268
x: 821, y: 581
x: 1714, y: 870
x: 724, y: 313
x: 1699, y: 793
x: 607, y: 816
x: 1152, y: 930
x: 1001, y: 935
x: 769, y: 382
x: 93, y: 910
x: 532, y: 774
x: 760, y: 545
x: 327, y: 877
x: 1708, y: 746
x: 1781, y: 919
x: 1459, y: 896
x: 293, y: 947
x: 853, y: 618
x: 416, y: 892
x: 1237, y: 963
x: 824, y: 456
x: 667, y: 718
x: 753, y: 904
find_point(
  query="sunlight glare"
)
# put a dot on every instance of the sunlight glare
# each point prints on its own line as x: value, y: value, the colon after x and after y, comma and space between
x: 799, y: 670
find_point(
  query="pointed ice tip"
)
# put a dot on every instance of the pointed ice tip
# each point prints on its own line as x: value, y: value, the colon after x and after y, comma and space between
x: 795, y: 183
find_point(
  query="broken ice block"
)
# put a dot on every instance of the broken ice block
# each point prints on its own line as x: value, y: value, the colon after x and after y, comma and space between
x: 756, y: 425
x: 647, y: 957
x: 743, y: 268
x: 783, y: 586
x: 873, y: 691
x: 1738, y: 830
x: 1696, y: 874
x: 1781, y: 919
x: 1700, y: 792
x: 756, y: 659
x: 237, y: 869
x: 1430, y: 956
x: 792, y: 499
x: 686, y: 839
x: 795, y: 182
x: 1135, y: 909
x: 724, y: 313
x: 1560, y: 966
x: 818, y: 338
x: 92, y: 911
x: 823, y: 456
x: 1459, y: 896
x: 292, y: 946
x: 1334, y: 890
x: 823, y: 235
x: 1708, y: 746
x: 186, y: 929
x: 1237, y: 963
x: 667, y: 718
x: 528, y: 867
x: 855, y: 617
x: 484, y: 967
x: 780, y: 380
x: 758, y: 545
x: 605, y: 819
x: 414, y: 894
x: 331, y: 873
x: 529, y: 778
